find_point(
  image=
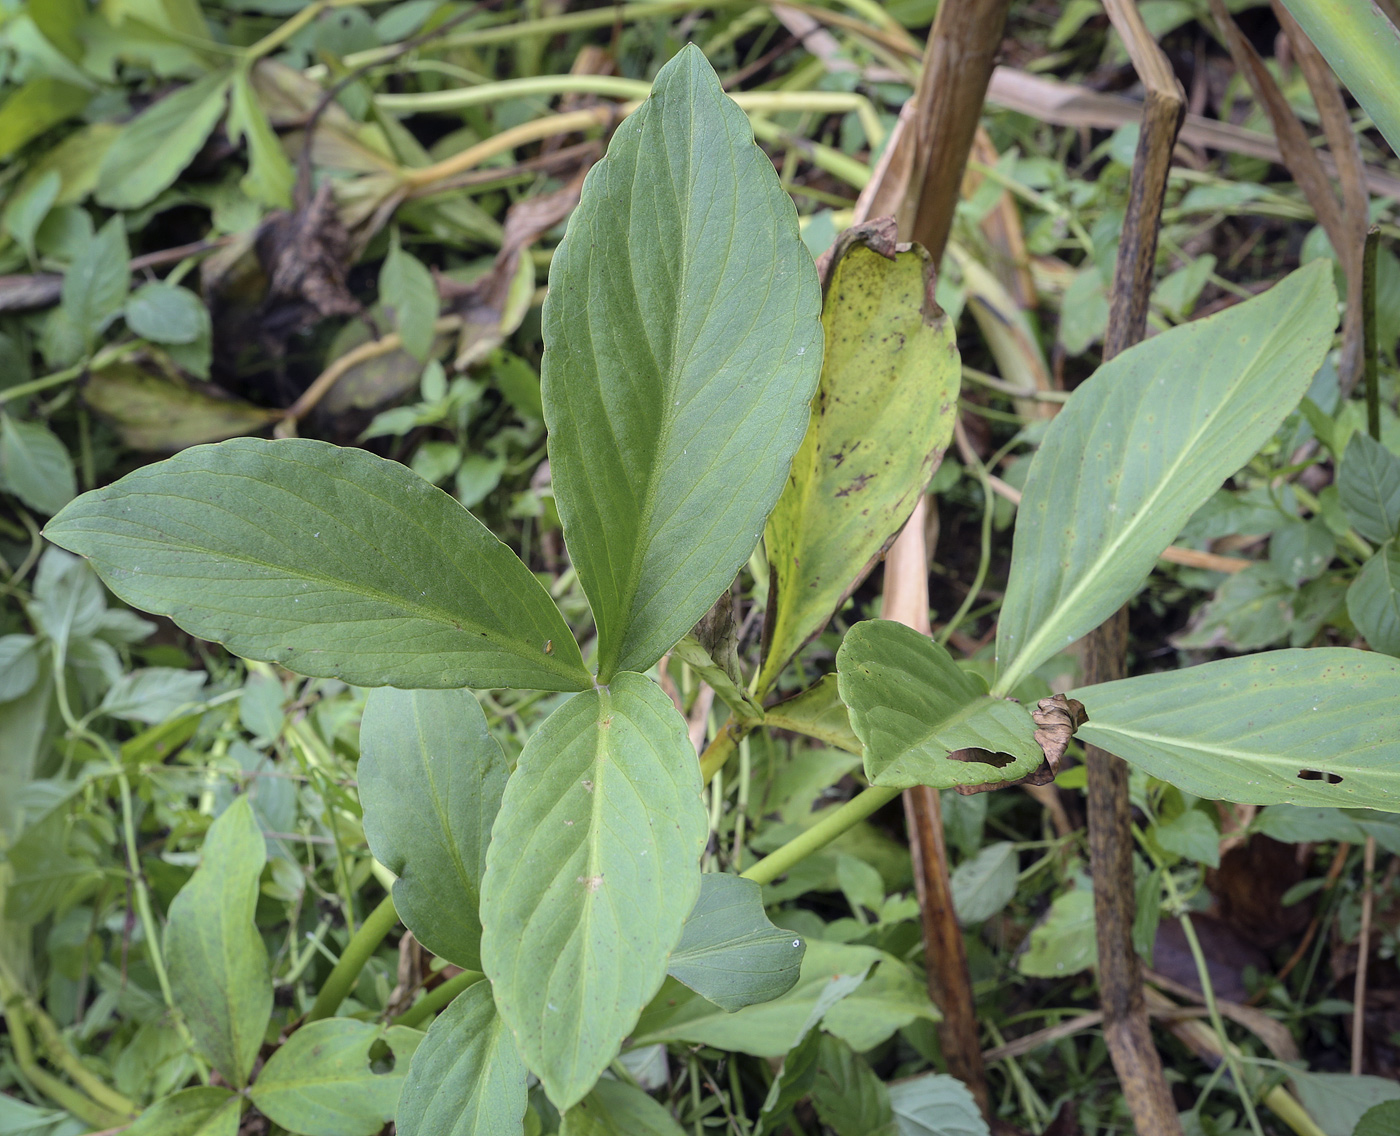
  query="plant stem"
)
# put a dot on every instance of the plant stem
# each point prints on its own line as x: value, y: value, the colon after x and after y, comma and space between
x: 1368, y: 332
x: 34, y: 386
x: 438, y: 997
x: 63, y: 1095
x: 362, y: 944
x: 820, y: 834
x: 1314, y: 506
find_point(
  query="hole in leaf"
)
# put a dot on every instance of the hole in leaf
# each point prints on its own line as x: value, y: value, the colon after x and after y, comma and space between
x: 381, y: 1057
x: 1319, y: 775
x: 985, y: 756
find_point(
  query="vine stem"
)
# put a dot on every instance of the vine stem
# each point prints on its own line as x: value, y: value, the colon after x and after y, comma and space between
x: 363, y: 943
x: 820, y: 834
x: 63, y: 1095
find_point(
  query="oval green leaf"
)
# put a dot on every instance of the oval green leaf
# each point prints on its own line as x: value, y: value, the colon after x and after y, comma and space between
x: 1140, y: 446
x: 322, y: 1080
x: 330, y: 561
x: 466, y: 1078
x: 1368, y: 482
x: 880, y: 423
x: 682, y: 348
x: 35, y: 466
x: 729, y: 952
x: 912, y: 706
x: 593, y: 867
x: 431, y: 777
x: 206, y: 1110
x: 614, y: 1108
x: 1264, y: 729
x: 217, y: 962
x: 1373, y: 600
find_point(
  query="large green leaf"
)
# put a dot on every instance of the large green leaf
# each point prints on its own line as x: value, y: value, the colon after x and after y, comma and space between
x: 160, y: 142
x: 730, y: 952
x: 593, y: 866
x: 1373, y: 600
x: 323, y: 1081
x: 205, y: 1110
x: 1262, y: 729
x: 330, y: 561
x: 1140, y: 446
x: 682, y: 347
x: 1368, y: 482
x: 614, y: 1108
x: 466, y: 1078
x: 431, y: 777
x: 912, y: 706
x: 880, y: 423
x: 218, y: 965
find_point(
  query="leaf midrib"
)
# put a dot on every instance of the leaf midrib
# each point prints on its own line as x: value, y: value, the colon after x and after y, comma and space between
x: 1217, y: 750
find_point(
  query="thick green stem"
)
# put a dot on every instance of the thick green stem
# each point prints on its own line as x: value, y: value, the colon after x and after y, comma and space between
x: 820, y: 834
x: 363, y: 943
x: 438, y: 997
x: 63, y: 1095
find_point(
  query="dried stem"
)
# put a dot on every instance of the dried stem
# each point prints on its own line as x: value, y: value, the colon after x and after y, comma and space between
x: 1363, y: 948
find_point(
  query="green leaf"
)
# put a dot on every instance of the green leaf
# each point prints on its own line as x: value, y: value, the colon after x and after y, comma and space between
x: 35, y: 466
x: 911, y: 706
x: 1338, y: 1101
x: 1063, y: 942
x: 466, y: 1078
x: 218, y: 964
x: 158, y: 412
x: 29, y: 110
x: 1373, y: 600
x: 96, y: 283
x: 817, y: 712
x: 205, y: 1110
x: 431, y: 777
x: 1142, y: 445
x: 406, y: 286
x: 849, y: 1098
x: 156, y: 145
x: 936, y: 1105
x: 1262, y: 729
x: 1191, y: 835
x: 322, y: 1081
x: 27, y: 208
x: 729, y: 951
x: 614, y: 1108
x: 330, y: 561
x: 682, y: 347
x: 593, y: 866
x: 881, y: 420
x: 1368, y: 481
x: 270, y: 176
x: 165, y: 313
x: 984, y: 884
x: 1381, y: 1120
x: 19, y: 666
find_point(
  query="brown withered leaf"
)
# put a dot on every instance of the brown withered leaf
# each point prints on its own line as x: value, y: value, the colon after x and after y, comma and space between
x: 492, y: 306
x: 164, y: 413
x: 1056, y: 720
x: 305, y: 254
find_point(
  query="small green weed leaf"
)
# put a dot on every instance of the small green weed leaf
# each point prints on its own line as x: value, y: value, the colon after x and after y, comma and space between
x: 323, y: 1080
x: 1140, y: 447
x: 19, y: 666
x: 984, y: 884
x: 849, y: 1098
x: 593, y: 866
x: 218, y: 964
x: 153, y: 694
x: 431, y: 777
x: 270, y: 177
x: 1368, y: 482
x: 156, y: 145
x: 166, y: 313
x: 205, y: 1110
x: 1062, y: 943
x: 682, y: 348
x: 817, y: 712
x: 1313, y: 727
x: 96, y: 283
x: 1191, y: 835
x: 880, y: 423
x: 912, y: 706
x: 466, y: 1078
x: 1381, y: 1120
x: 615, y: 1108
x: 936, y: 1105
x: 26, y: 210
x: 35, y: 466
x: 730, y: 952
x: 1339, y: 1101
x: 35, y: 106
x: 406, y: 286
x: 330, y: 561
x: 1297, y: 824
x: 1373, y: 600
